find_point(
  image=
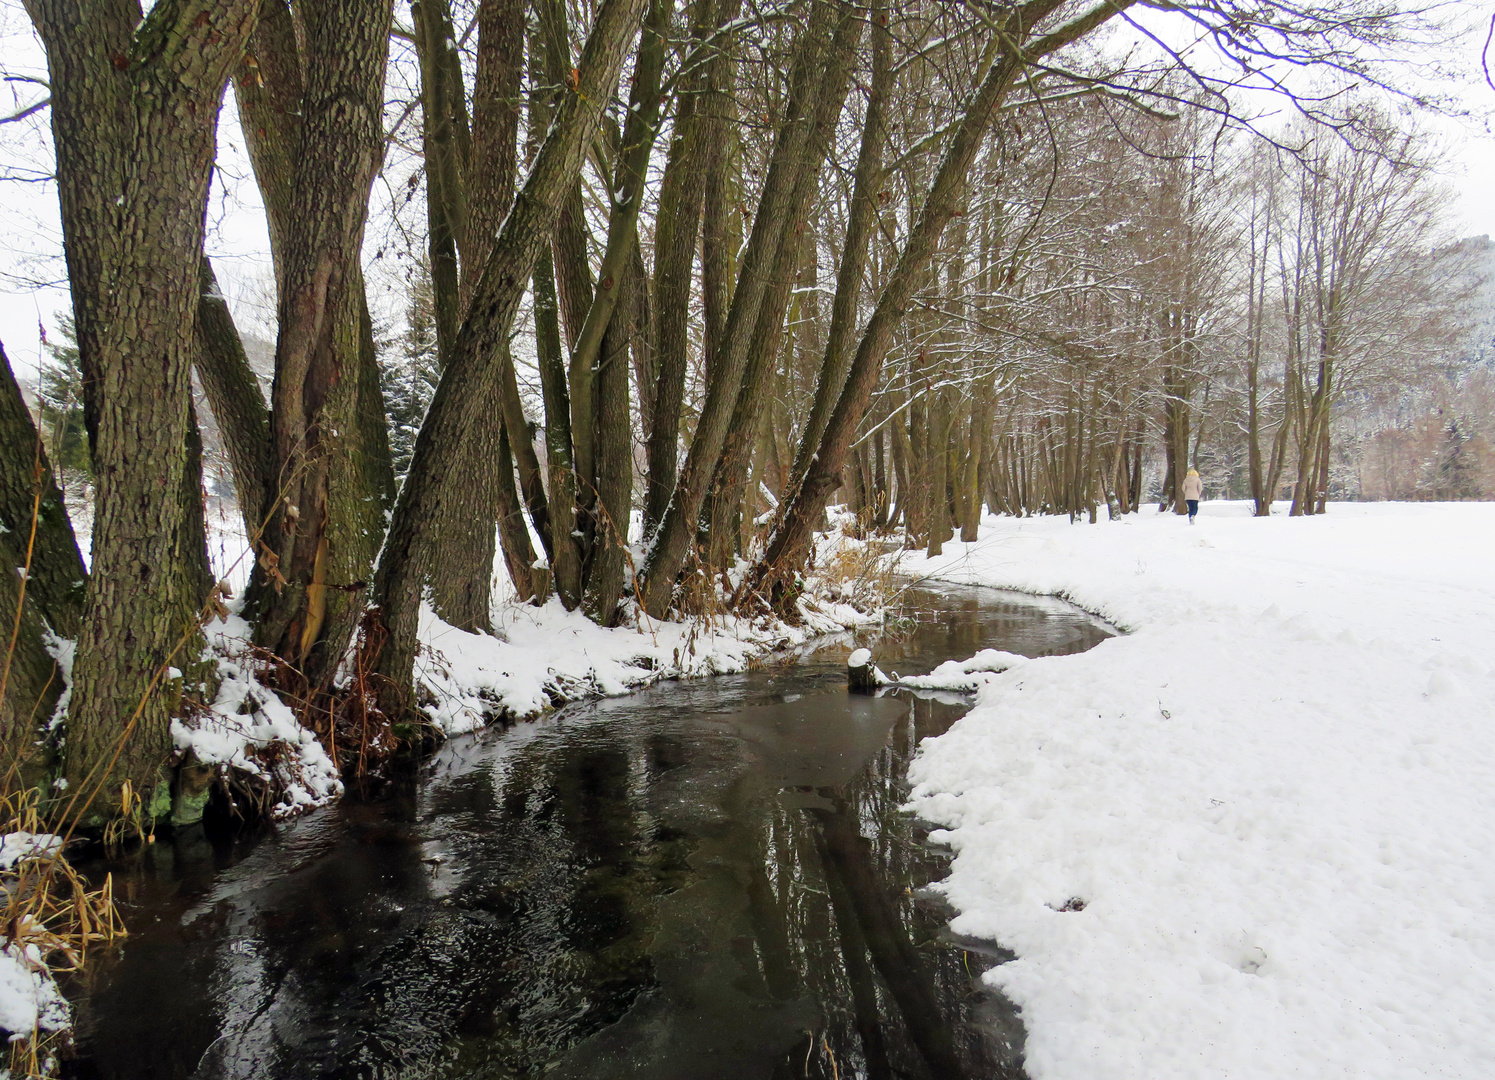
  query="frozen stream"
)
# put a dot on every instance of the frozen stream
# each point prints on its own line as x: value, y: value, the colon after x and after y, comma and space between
x: 707, y: 879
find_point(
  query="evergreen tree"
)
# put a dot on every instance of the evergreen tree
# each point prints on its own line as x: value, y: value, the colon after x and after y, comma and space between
x: 408, y: 372
x: 1456, y: 474
x: 59, y: 392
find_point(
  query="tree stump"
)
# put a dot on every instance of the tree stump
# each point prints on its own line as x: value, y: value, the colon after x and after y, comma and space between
x: 861, y: 674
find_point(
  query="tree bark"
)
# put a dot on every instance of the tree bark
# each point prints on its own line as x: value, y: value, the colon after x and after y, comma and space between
x: 35, y: 534
x: 675, y: 230
x: 720, y: 226
x: 633, y: 155
x: 677, y: 530
x: 332, y: 487
x: 730, y: 481
x: 134, y: 111
x: 56, y: 580
x: 605, y: 577
x: 565, y: 558
x: 864, y: 212
x: 233, y: 393
x: 777, y: 572
x: 455, y: 408
x: 939, y: 459
x: 980, y: 420
x: 470, y: 186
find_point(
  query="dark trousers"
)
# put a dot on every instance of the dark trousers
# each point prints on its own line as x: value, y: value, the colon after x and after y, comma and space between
x: 1193, y: 506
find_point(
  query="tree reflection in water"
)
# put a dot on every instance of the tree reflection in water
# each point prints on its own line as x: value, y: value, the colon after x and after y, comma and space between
x: 705, y: 880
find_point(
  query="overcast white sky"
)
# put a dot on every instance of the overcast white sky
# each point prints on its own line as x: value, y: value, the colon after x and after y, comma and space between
x: 31, y: 270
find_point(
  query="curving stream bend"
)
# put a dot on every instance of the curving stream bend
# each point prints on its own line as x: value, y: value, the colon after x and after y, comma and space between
x: 707, y: 879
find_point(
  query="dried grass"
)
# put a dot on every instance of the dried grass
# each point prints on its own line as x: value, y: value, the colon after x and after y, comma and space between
x: 860, y: 573
x: 53, y: 916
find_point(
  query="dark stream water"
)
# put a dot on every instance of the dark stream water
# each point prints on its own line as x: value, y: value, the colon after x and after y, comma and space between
x: 707, y: 879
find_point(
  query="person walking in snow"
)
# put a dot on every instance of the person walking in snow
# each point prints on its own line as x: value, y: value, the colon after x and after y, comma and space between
x: 1193, y: 492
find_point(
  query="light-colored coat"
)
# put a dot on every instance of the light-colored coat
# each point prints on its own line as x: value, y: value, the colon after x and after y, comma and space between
x: 1193, y: 488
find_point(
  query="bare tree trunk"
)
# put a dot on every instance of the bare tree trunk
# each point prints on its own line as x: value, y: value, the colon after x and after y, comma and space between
x: 565, y: 559
x: 880, y: 479
x: 939, y: 457
x: 603, y: 345
x: 970, y: 526
x: 676, y: 226
x: 854, y: 251
x: 900, y: 473
x: 234, y: 395
x: 920, y: 503
x: 770, y: 224
x: 796, y: 247
x: 719, y: 223
x: 35, y: 534
x: 1321, y: 495
x: 789, y: 547
x: 134, y: 150
x: 614, y: 454
x: 1176, y: 437
x: 337, y: 132
x: 495, y: 300
x: 465, y: 202
x: 55, y: 578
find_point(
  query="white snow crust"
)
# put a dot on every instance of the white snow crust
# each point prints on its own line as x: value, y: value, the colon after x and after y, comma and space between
x: 965, y: 675
x: 1274, y: 799
x: 29, y: 998
x: 19, y: 845
x: 539, y: 657
x: 246, y: 717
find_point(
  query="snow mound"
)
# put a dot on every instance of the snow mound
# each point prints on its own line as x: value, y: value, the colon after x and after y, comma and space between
x: 16, y: 846
x: 29, y: 998
x: 249, y: 729
x: 966, y: 675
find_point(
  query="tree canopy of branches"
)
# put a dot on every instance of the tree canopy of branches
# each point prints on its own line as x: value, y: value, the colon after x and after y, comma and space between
x: 687, y: 269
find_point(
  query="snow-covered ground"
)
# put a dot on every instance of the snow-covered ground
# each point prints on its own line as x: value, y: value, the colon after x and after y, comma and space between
x: 1254, y: 837
x: 538, y: 657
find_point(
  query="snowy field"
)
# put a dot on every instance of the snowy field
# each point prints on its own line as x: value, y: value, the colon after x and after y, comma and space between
x: 1255, y: 837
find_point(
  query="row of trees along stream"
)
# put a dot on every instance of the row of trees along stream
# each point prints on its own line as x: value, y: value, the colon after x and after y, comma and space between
x: 700, y: 262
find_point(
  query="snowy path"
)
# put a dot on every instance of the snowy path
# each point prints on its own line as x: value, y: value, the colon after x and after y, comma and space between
x: 1275, y: 797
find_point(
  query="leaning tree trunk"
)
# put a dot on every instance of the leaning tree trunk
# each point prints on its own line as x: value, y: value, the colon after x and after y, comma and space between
x: 455, y: 407
x: 776, y: 574
x: 605, y: 578
x: 854, y: 251
x: 310, y: 98
x: 135, y: 141
x: 721, y: 231
x: 599, y: 357
x: 29, y: 493
x: 729, y: 484
x: 42, y: 585
x: 681, y: 192
x: 726, y: 368
x: 470, y: 186
x: 233, y: 393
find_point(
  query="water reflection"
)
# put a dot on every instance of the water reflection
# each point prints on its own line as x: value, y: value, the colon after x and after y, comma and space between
x: 708, y: 879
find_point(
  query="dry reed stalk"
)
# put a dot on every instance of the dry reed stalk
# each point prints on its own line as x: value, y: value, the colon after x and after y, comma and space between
x: 53, y: 919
